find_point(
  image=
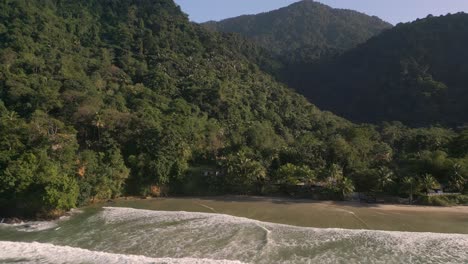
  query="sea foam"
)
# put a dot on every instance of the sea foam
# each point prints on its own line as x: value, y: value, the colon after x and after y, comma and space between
x: 145, y: 236
x: 221, y: 236
x: 36, y: 226
x: 33, y: 226
x: 14, y: 252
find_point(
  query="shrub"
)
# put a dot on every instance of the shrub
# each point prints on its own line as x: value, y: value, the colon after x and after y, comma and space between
x: 447, y: 200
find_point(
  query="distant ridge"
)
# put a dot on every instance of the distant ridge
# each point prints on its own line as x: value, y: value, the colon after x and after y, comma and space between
x: 304, y: 24
x: 416, y: 73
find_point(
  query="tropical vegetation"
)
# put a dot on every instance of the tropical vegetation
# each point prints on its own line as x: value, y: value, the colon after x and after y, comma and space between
x: 103, y: 98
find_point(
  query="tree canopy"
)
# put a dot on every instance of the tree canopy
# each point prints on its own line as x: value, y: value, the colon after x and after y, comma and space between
x: 415, y: 73
x: 100, y: 98
x: 303, y: 25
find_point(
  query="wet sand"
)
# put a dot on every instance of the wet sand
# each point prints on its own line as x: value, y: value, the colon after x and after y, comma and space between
x: 321, y: 214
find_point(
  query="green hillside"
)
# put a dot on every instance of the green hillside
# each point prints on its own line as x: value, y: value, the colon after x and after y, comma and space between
x: 304, y: 25
x: 416, y: 73
x: 100, y: 98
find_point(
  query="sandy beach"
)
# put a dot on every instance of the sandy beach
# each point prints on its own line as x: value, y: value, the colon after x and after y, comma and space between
x: 320, y: 214
x: 309, y: 202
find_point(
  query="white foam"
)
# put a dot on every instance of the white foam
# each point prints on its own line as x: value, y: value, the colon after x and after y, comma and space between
x: 48, y: 253
x: 192, y: 237
x: 119, y: 214
x: 33, y: 226
x: 269, y: 242
x: 36, y: 226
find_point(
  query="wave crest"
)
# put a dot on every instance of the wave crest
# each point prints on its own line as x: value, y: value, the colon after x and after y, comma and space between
x: 47, y: 253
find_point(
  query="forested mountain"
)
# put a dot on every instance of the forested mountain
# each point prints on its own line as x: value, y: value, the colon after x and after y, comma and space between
x: 416, y: 73
x: 304, y: 27
x: 100, y: 98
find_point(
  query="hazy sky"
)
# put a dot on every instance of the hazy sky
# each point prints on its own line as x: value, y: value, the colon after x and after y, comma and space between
x: 393, y: 11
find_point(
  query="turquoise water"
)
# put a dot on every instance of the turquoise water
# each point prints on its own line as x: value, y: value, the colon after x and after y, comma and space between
x: 116, y: 234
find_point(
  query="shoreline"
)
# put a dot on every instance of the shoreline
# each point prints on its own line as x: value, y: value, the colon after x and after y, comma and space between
x: 255, y: 198
x: 292, y: 201
x: 24, y: 220
x: 316, y: 214
x: 293, y: 212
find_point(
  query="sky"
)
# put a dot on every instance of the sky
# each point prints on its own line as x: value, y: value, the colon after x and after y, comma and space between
x: 393, y: 11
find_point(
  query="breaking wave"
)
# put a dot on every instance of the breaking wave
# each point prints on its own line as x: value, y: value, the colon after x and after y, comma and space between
x: 15, y: 252
x: 35, y: 226
x: 145, y: 236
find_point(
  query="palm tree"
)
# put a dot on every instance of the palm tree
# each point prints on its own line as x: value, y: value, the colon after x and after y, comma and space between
x: 346, y: 186
x: 244, y: 171
x: 338, y: 182
x: 10, y: 116
x: 385, y: 177
x: 336, y: 171
x: 428, y: 182
x: 458, y: 180
x: 410, y: 185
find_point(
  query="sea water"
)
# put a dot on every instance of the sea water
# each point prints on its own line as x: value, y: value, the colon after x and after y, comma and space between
x: 129, y: 235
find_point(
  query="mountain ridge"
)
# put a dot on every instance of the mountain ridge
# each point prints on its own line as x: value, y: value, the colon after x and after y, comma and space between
x: 414, y: 73
x: 336, y: 28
